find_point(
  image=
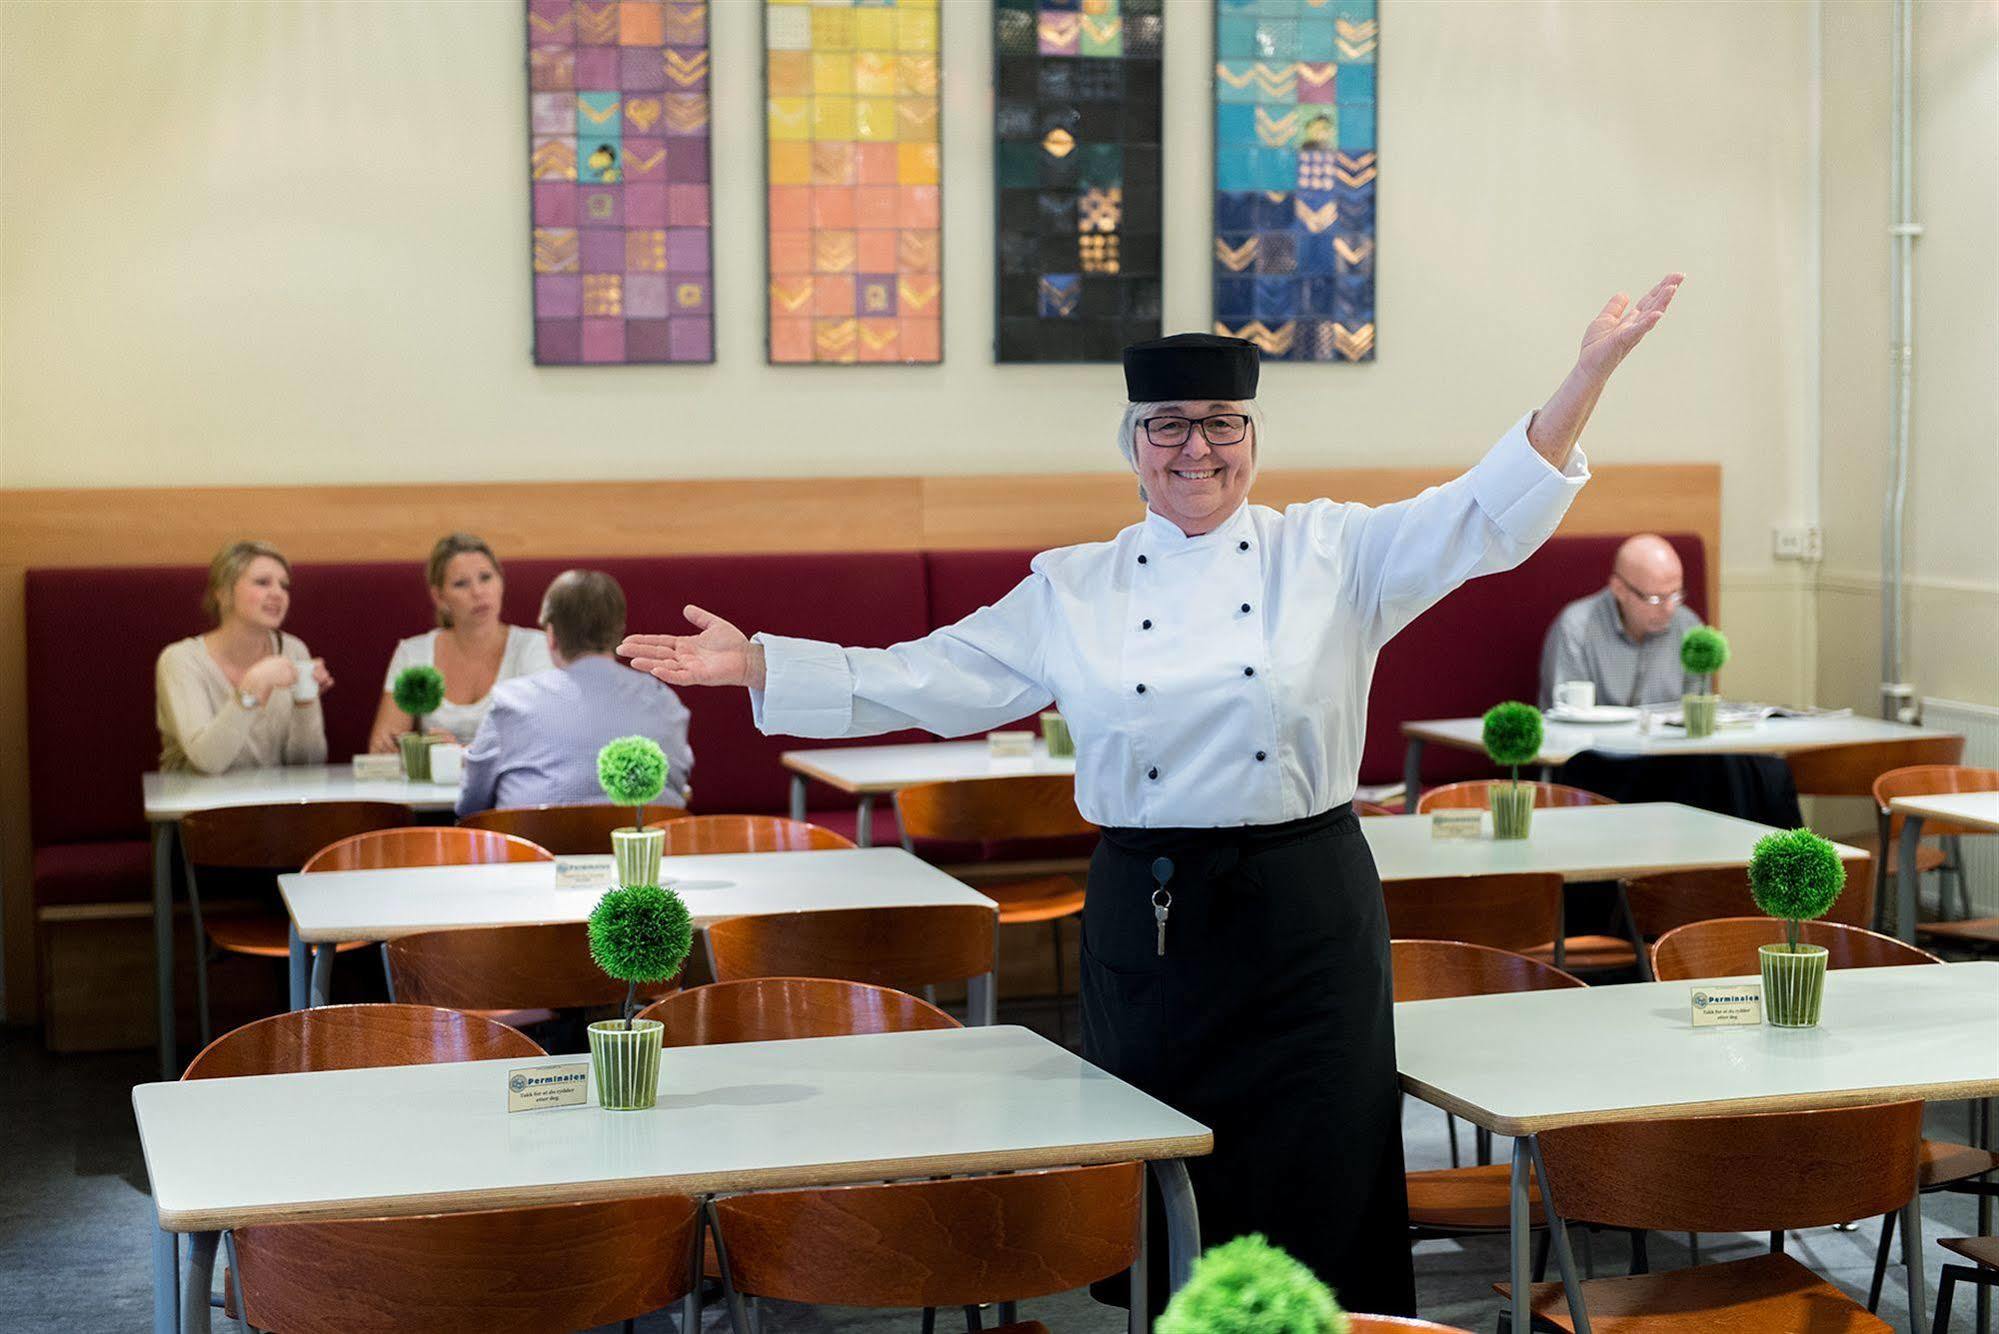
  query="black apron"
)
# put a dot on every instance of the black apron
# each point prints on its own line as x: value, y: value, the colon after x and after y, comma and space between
x: 1270, y: 1020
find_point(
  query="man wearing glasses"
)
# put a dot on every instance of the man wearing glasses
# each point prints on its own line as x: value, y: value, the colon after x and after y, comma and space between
x: 1625, y: 639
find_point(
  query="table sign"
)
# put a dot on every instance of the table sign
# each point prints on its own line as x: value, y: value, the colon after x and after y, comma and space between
x: 587, y: 871
x: 541, y: 1086
x: 1010, y: 745
x: 1457, y: 824
x: 1728, y: 1006
x: 378, y: 768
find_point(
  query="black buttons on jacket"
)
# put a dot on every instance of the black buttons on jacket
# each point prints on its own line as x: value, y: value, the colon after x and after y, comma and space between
x: 1152, y: 773
x: 1141, y: 687
x: 1245, y: 608
x: 1249, y: 671
x: 1141, y: 560
x: 1240, y: 546
x: 1259, y: 757
x: 1145, y: 625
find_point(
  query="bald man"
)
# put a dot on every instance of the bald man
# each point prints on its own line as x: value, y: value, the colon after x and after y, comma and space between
x: 1626, y: 638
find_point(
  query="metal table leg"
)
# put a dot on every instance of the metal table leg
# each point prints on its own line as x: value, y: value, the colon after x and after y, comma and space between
x: 1912, y: 1257
x: 1183, y: 1221
x: 322, y: 974
x: 200, y: 1280
x: 864, y: 821
x: 1987, y: 1108
x: 166, y: 1281
x: 1558, y: 1233
x: 982, y: 1000
x: 1412, y: 774
x: 1517, y: 1227
x: 296, y: 974
x: 798, y: 797
x: 1138, y: 1316
x: 1905, y: 878
x: 164, y: 833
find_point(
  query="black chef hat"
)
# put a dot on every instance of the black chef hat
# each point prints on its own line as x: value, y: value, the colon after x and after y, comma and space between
x: 1190, y: 366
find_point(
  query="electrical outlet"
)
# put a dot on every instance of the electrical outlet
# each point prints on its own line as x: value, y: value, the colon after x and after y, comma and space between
x: 1787, y: 543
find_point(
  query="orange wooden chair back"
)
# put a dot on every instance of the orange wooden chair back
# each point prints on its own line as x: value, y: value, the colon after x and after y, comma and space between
x: 566, y: 831
x: 1437, y: 969
x: 764, y: 1009
x: 956, y: 1242
x: 1374, y: 808
x: 1397, y: 1324
x: 1507, y: 912
x: 1672, y: 899
x: 1850, y: 770
x: 1928, y: 780
x: 904, y: 948
x: 745, y: 833
x: 975, y: 809
x: 281, y: 835
x: 1476, y: 795
x: 425, y: 845
x: 1755, y: 1173
x: 1726, y: 947
x: 357, y: 1037
x: 546, y: 966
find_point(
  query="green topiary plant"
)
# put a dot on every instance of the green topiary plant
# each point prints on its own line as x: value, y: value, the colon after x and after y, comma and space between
x: 640, y: 933
x: 419, y: 692
x: 1248, y: 1286
x: 1703, y: 652
x: 632, y: 771
x: 1795, y: 875
x: 1512, y: 735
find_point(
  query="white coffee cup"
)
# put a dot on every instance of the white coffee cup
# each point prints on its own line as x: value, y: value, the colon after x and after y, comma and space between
x: 1575, y: 695
x: 306, y: 688
x: 447, y: 762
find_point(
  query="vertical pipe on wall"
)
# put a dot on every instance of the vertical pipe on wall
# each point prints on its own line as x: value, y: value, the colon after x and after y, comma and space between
x: 1898, y: 697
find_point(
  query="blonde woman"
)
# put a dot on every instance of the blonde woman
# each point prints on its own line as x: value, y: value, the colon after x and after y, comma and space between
x: 245, y: 695
x: 472, y: 646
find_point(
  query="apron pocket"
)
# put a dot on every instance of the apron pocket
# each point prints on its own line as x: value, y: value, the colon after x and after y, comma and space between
x: 1124, y: 1021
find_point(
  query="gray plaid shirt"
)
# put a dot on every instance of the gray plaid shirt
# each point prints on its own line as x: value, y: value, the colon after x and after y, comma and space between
x: 1588, y: 642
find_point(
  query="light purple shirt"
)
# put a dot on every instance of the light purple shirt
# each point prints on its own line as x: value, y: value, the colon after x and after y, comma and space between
x: 539, y: 742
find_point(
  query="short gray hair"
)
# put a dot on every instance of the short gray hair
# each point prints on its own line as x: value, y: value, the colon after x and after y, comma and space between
x: 1134, y: 413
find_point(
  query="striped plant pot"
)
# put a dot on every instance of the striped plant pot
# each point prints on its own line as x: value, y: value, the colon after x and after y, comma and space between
x: 415, y: 747
x: 626, y: 1063
x: 637, y: 853
x: 1055, y: 729
x: 1793, y: 984
x: 1512, y: 809
x: 1699, y: 712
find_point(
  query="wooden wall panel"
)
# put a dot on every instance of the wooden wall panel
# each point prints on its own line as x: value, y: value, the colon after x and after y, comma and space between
x: 185, y: 526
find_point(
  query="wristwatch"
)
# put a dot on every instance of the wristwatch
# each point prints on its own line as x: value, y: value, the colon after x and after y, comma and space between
x: 247, y: 698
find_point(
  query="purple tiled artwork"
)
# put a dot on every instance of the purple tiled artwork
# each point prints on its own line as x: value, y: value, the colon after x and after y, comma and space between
x: 618, y: 163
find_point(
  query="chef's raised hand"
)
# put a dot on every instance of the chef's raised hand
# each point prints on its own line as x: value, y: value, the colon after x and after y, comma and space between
x: 718, y: 655
x: 1617, y: 328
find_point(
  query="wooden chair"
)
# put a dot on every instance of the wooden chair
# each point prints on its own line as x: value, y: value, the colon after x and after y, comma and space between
x: 517, y: 974
x: 566, y: 831
x: 906, y: 948
x: 1520, y: 912
x: 263, y: 841
x: 1027, y: 806
x: 1760, y: 1173
x: 765, y: 1009
x: 693, y: 834
x: 1924, y: 780
x: 1851, y: 770
x: 425, y: 845
x: 1373, y: 808
x: 1726, y: 947
x: 357, y: 1037
x: 1476, y: 795
x: 1396, y: 1324
x: 1669, y: 900
x: 1983, y: 1271
x: 963, y: 1241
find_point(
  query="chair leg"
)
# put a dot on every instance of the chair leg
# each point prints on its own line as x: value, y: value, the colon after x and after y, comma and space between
x: 1881, y: 1253
x: 1944, y: 1294
x: 1451, y: 1129
x: 1694, y: 1247
x: 929, y: 1320
x: 1061, y: 991
x: 972, y: 1325
x: 1541, y: 1248
x: 1641, y: 1254
x: 1776, y: 1243
x: 1482, y: 1146
x: 200, y: 948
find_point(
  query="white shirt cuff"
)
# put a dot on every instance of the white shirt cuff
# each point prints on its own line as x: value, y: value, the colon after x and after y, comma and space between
x: 808, y: 688
x: 1520, y: 491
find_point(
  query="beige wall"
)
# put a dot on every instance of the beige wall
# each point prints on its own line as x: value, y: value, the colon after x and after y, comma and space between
x: 1952, y: 544
x: 287, y: 243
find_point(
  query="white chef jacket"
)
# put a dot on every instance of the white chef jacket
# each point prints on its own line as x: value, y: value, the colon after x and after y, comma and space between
x: 1209, y: 681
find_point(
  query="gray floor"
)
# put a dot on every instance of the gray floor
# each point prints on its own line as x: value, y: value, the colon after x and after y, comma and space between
x: 75, y: 1223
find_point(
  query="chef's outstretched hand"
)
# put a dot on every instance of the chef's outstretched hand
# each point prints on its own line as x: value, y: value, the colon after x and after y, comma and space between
x: 1620, y: 325
x: 719, y: 655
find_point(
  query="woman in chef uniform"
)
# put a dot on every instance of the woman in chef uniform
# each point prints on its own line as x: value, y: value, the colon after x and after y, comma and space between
x: 1212, y: 661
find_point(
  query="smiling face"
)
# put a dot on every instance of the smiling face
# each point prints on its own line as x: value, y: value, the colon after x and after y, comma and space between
x: 1189, y: 480
x: 469, y: 594
x: 261, y: 595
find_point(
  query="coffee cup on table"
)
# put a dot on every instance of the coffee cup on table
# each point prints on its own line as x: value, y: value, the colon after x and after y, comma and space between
x: 447, y: 762
x: 1575, y: 695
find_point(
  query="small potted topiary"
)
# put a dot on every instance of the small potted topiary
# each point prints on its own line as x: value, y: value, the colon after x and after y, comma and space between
x: 1795, y: 875
x: 1703, y: 652
x: 1512, y: 737
x: 419, y: 692
x: 1248, y: 1286
x: 638, y: 933
x: 632, y: 772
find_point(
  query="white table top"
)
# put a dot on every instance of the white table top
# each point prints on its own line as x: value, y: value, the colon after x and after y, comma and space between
x: 1521, y: 1063
x: 1976, y: 810
x: 172, y: 795
x: 1581, y: 842
x: 381, y: 905
x: 1772, y: 736
x: 815, y: 1111
x: 890, y: 768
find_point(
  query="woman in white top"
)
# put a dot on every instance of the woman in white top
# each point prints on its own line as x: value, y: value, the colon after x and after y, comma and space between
x: 245, y: 695
x: 472, y: 647
x: 1213, y: 663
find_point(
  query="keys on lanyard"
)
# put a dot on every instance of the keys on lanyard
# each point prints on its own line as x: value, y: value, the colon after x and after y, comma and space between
x: 1162, y: 898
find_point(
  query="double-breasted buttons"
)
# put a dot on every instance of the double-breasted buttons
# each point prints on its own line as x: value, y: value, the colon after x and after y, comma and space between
x: 1240, y: 546
x: 1141, y: 687
x: 1152, y: 773
x: 1249, y: 671
x: 1245, y: 609
x: 1145, y: 625
x: 1259, y: 757
x: 1141, y: 560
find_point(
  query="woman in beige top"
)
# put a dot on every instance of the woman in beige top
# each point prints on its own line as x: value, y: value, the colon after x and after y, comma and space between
x: 245, y: 695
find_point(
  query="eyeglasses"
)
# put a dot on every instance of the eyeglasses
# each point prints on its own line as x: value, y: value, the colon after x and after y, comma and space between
x: 1673, y: 599
x: 1224, y: 428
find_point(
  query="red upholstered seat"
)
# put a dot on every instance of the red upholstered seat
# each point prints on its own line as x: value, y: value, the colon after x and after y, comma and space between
x: 118, y: 871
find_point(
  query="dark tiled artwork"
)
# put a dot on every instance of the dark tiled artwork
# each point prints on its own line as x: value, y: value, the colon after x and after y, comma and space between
x: 1076, y: 124
x: 618, y: 160
x: 1295, y: 170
